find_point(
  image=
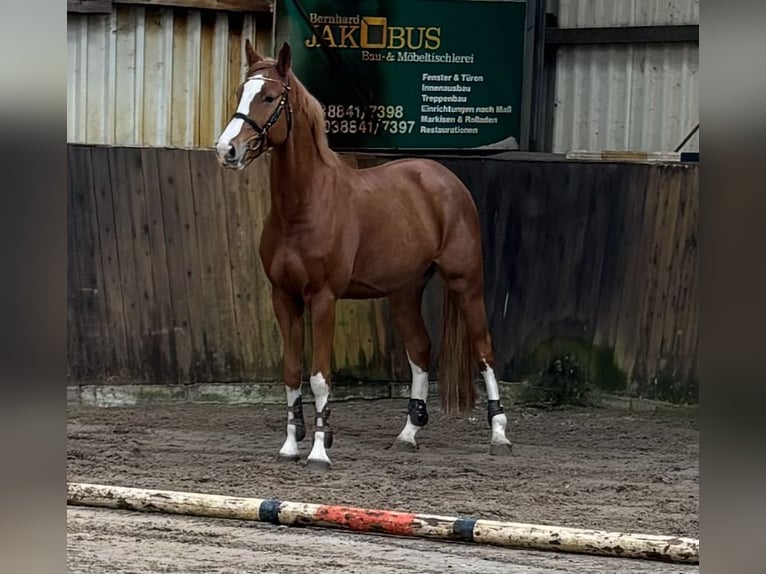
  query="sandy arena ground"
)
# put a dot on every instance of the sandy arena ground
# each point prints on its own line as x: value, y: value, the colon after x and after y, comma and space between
x: 589, y: 468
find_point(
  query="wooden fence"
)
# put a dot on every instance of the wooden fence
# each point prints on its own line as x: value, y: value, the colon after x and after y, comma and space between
x: 164, y: 281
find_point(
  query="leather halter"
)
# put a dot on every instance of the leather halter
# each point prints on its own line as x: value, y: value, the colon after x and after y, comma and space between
x: 261, y: 132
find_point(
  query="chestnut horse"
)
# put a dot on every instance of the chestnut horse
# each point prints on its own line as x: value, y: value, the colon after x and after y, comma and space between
x: 335, y: 232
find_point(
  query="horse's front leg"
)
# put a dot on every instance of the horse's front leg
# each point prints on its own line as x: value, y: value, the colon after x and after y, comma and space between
x: 322, y: 310
x: 289, y: 313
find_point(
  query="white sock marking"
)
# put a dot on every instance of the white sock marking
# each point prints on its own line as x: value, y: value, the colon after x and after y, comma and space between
x: 498, y: 430
x: 490, y: 382
x: 419, y: 382
x: 321, y: 393
x: 250, y: 90
x: 419, y: 391
x: 290, y: 447
x: 408, y: 432
x: 499, y: 421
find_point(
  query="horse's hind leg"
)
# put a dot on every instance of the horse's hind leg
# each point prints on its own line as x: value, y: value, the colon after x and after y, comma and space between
x: 461, y: 267
x: 472, y: 305
x: 405, y: 308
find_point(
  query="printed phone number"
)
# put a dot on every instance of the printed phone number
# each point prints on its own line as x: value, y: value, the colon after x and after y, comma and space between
x: 335, y: 126
x: 340, y: 112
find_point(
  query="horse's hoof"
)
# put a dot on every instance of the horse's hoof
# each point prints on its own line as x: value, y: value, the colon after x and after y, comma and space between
x: 500, y: 449
x: 293, y: 458
x: 405, y: 446
x: 321, y: 465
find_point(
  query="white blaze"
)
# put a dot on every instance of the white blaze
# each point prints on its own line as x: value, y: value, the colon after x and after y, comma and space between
x: 250, y: 90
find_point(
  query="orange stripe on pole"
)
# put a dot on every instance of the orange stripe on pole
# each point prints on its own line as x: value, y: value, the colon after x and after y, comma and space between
x: 359, y: 519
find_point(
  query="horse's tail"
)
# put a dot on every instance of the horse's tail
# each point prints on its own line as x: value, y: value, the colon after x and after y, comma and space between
x: 456, y: 387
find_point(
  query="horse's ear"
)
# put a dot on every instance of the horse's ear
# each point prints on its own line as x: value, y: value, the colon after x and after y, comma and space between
x: 252, y: 55
x: 284, y: 59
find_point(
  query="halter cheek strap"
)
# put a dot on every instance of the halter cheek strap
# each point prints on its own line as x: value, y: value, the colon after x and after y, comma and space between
x: 263, y: 131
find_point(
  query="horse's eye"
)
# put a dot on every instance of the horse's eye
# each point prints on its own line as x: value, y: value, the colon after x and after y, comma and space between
x: 268, y: 99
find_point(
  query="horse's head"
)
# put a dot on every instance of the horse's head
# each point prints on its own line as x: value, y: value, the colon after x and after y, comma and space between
x: 264, y: 114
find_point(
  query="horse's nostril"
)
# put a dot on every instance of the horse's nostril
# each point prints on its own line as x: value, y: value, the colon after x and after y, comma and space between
x: 231, y: 152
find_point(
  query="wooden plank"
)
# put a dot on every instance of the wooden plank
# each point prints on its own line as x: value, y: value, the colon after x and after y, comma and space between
x: 135, y: 269
x: 259, y: 341
x: 184, y: 111
x: 129, y: 86
x: 632, y: 339
x: 539, y: 244
x: 87, y: 292
x: 632, y: 270
x: 156, y: 360
x: 664, y: 316
x: 573, y: 223
x: 184, y: 270
x: 97, y: 66
x: 255, y: 190
x: 168, y: 252
x: 116, y: 350
x: 590, y: 307
x: 162, y: 330
x: 243, y: 267
x: 74, y: 315
x: 263, y: 37
x: 89, y: 6
x: 208, y: 110
x: 212, y: 237
x: 661, y: 257
x: 685, y: 310
x: 253, y: 193
x: 674, y: 319
x: 157, y: 75
x: 619, y: 252
x: 688, y: 309
x: 237, y: 63
x: 223, y: 5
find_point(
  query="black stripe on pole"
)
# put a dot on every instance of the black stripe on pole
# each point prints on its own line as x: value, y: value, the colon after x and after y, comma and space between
x: 269, y: 511
x: 462, y: 528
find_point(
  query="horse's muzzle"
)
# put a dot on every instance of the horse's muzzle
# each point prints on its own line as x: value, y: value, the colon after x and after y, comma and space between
x: 235, y: 157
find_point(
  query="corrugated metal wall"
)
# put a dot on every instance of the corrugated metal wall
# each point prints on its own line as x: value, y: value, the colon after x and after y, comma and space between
x: 154, y: 76
x: 166, y: 77
x: 627, y: 97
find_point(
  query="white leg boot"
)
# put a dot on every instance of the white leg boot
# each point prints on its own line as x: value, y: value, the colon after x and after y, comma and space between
x: 296, y: 428
x: 417, y: 415
x: 498, y: 443
x: 318, y: 458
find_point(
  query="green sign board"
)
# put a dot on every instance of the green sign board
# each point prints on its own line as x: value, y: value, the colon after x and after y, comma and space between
x: 410, y: 74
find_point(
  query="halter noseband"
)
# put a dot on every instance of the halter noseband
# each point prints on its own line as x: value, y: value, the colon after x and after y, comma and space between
x: 262, y: 132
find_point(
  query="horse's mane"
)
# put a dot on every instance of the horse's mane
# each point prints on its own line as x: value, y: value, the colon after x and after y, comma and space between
x: 310, y: 107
